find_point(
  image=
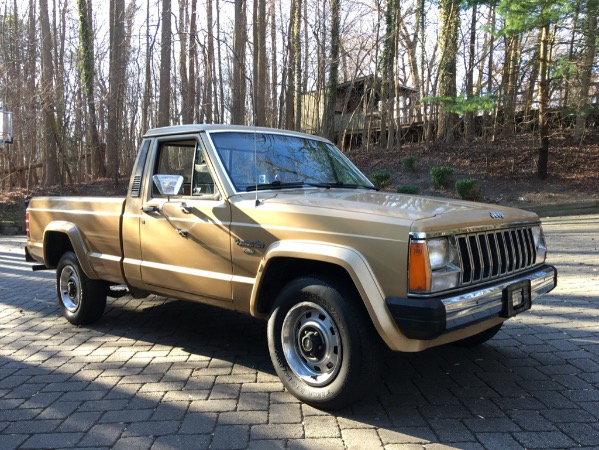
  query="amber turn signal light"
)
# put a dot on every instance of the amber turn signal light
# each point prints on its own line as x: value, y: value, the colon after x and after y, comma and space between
x: 420, y: 271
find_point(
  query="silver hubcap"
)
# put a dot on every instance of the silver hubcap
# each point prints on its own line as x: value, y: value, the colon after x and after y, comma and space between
x: 312, y: 344
x: 70, y: 289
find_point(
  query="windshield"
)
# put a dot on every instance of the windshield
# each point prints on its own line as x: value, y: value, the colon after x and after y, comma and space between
x: 268, y: 161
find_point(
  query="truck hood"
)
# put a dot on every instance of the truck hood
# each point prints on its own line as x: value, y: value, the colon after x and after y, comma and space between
x: 391, y: 205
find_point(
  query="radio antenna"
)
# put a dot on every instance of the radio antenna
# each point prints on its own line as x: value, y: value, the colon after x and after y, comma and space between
x: 255, y: 143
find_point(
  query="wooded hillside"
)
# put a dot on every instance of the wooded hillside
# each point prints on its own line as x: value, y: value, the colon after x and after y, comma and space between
x: 84, y: 79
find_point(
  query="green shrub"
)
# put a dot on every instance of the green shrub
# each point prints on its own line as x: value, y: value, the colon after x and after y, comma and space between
x: 467, y: 189
x: 380, y: 178
x: 441, y: 176
x: 409, y: 163
x: 408, y: 189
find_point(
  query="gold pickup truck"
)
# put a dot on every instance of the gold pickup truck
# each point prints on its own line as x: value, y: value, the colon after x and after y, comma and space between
x: 281, y: 225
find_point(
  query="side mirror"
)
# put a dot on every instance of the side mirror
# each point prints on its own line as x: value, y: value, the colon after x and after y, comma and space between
x: 168, y: 184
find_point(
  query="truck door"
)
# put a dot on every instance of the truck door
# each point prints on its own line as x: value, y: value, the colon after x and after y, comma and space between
x: 185, y: 243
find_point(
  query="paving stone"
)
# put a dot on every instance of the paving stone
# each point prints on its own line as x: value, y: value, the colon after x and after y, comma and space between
x: 198, y: 423
x: 363, y: 438
x: 52, y: 440
x: 242, y: 417
x: 170, y: 411
x: 503, y: 441
x: 12, y: 441
x: 285, y: 413
x: 317, y: 427
x: 582, y: 433
x: 277, y: 431
x: 127, y: 416
x: 269, y: 444
x: 406, y: 435
x: 32, y: 427
x: 230, y: 437
x: 319, y: 443
x: 103, y: 435
x: 544, y: 439
x: 479, y: 425
x: 181, y: 442
x: 80, y: 421
x: 151, y: 428
x: 451, y: 430
x: 134, y: 443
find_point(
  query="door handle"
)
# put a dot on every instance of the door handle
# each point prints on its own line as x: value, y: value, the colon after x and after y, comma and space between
x: 150, y: 208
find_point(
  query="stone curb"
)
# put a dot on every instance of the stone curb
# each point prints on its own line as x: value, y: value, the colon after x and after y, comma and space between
x: 563, y: 209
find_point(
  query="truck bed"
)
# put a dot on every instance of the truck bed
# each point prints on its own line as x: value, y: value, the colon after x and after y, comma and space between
x: 98, y: 220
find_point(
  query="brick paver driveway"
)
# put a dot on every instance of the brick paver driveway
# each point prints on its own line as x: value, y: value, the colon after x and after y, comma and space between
x: 162, y: 373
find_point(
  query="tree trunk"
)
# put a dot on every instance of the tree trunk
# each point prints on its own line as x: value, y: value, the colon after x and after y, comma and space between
x: 590, y: 52
x: 297, y: 45
x: 542, y: 167
x: 116, y: 88
x: 512, y: 72
x: 239, y: 43
x: 273, y: 64
x: 183, y: 69
x: 469, y: 125
x: 52, y: 175
x: 448, y: 37
x: 88, y: 74
x: 193, y: 57
x: 209, y: 64
x: 145, y: 106
x: 328, y: 120
x: 290, y: 69
x: 164, y: 101
x: 260, y: 74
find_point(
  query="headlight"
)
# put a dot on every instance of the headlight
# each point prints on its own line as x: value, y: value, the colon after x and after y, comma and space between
x: 434, y: 265
x: 440, y: 253
x: 539, y: 241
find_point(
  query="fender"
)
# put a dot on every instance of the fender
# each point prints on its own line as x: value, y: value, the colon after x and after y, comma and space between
x: 75, y: 236
x: 358, y: 269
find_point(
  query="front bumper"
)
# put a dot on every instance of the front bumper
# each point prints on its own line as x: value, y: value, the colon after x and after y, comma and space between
x: 429, y: 318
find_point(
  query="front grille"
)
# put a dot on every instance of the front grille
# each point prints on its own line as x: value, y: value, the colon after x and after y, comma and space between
x: 495, y: 254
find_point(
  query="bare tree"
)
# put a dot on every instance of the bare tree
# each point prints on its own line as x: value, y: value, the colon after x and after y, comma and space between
x: 165, y: 66
x: 590, y: 51
x: 88, y: 74
x: 260, y: 69
x: 239, y: 42
x: 450, y: 19
x: 116, y: 88
x: 328, y: 119
x: 52, y: 175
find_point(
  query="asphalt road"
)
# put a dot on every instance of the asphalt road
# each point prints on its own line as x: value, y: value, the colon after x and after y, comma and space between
x: 161, y: 373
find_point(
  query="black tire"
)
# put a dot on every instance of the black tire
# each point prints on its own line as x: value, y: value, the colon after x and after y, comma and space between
x: 322, y: 343
x: 81, y: 299
x: 480, y: 338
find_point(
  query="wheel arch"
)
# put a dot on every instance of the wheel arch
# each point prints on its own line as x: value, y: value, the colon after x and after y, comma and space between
x: 60, y: 237
x: 285, y: 261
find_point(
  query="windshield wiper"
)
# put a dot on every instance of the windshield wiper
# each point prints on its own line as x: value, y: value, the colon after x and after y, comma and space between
x: 290, y: 185
x: 341, y: 184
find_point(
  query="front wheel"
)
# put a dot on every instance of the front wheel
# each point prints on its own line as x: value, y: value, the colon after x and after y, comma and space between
x: 322, y: 344
x: 81, y: 299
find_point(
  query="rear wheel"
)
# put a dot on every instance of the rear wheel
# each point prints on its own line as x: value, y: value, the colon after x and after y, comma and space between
x: 322, y: 344
x: 81, y: 299
x: 479, y: 338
